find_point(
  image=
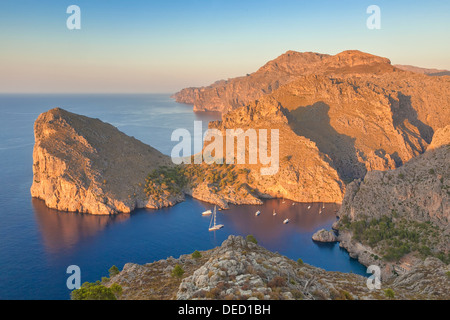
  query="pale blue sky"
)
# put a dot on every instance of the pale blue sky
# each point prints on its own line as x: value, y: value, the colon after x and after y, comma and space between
x: 163, y: 46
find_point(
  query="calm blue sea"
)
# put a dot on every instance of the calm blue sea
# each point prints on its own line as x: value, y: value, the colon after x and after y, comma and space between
x: 37, y: 244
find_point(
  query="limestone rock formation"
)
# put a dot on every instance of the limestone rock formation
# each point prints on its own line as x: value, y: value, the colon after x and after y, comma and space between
x: 360, y: 111
x: 399, y: 214
x: 242, y: 270
x: 440, y: 138
x: 82, y: 164
x: 324, y: 236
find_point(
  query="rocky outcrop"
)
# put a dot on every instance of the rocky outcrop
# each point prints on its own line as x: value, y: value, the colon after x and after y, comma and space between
x: 82, y: 164
x: 324, y: 236
x: 243, y: 270
x: 440, y: 138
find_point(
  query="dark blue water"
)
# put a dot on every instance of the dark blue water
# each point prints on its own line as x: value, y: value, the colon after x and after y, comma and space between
x: 37, y: 244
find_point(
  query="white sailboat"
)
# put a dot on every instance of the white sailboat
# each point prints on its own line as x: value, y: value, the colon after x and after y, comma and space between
x: 206, y: 213
x: 257, y: 213
x: 309, y: 207
x: 274, y: 213
x: 214, y: 226
x: 286, y: 221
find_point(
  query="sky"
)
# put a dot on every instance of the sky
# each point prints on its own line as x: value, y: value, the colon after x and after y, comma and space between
x: 164, y: 46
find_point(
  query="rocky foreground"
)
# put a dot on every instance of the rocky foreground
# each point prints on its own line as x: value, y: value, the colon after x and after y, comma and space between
x: 241, y: 269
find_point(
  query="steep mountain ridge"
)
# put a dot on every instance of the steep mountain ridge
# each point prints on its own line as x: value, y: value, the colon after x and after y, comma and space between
x: 226, y: 95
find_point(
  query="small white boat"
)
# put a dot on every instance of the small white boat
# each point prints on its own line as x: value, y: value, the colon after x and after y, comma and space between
x: 283, y: 201
x: 320, y: 212
x: 286, y: 221
x: 257, y: 213
x: 206, y: 213
x: 309, y: 207
x: 274, y: 213
x: 293, y: 203
x: 214, y: 226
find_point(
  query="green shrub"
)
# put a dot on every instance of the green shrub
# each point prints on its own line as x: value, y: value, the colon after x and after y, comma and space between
x: 178, y: 271
x: 251, y: 238
x: 93, y: 291
x: 113, y: 271
x: 300, y: 261
x: 389, y: 293
x: 116, y: 289
x: 196, y: 255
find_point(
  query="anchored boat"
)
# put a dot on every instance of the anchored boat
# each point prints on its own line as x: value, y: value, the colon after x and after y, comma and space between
x: 206, y: 213
x: 214, y: 226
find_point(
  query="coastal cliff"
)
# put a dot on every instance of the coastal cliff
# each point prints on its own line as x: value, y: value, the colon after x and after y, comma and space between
x: 85, y: 165
x: 82, y: 164
x: 397, y: 218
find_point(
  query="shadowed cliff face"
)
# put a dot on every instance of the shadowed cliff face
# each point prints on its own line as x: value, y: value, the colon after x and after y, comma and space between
x: 313, y: 122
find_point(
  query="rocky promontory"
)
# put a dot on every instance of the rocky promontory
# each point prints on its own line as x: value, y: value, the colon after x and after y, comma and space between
x: 240, y: 269
x: 82, y: 164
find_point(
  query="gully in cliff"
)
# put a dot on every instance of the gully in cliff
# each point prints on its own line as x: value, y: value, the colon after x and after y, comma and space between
x: 257, y: 148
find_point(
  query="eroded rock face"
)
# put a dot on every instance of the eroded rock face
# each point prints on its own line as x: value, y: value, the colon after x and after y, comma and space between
x: 414, y: 198
x: 82, y: 164
x: 303, y: 173
x: 418, y: 191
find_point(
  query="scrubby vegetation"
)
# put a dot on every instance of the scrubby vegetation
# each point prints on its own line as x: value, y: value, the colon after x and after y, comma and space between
x: 251, y: 238
x: 396, y: 237
x: 96, y: 291
x: 165, y: 181
x: 196, y: 254
x: 177, y: 271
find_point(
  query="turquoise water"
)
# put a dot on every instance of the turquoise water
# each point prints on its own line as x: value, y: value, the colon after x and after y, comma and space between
x: 37, y: 244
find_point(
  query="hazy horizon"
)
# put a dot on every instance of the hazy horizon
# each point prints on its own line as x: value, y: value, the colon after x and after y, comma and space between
x: 162, y: 47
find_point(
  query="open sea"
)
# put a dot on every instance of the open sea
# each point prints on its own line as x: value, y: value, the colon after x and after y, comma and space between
x: 37, y: 244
